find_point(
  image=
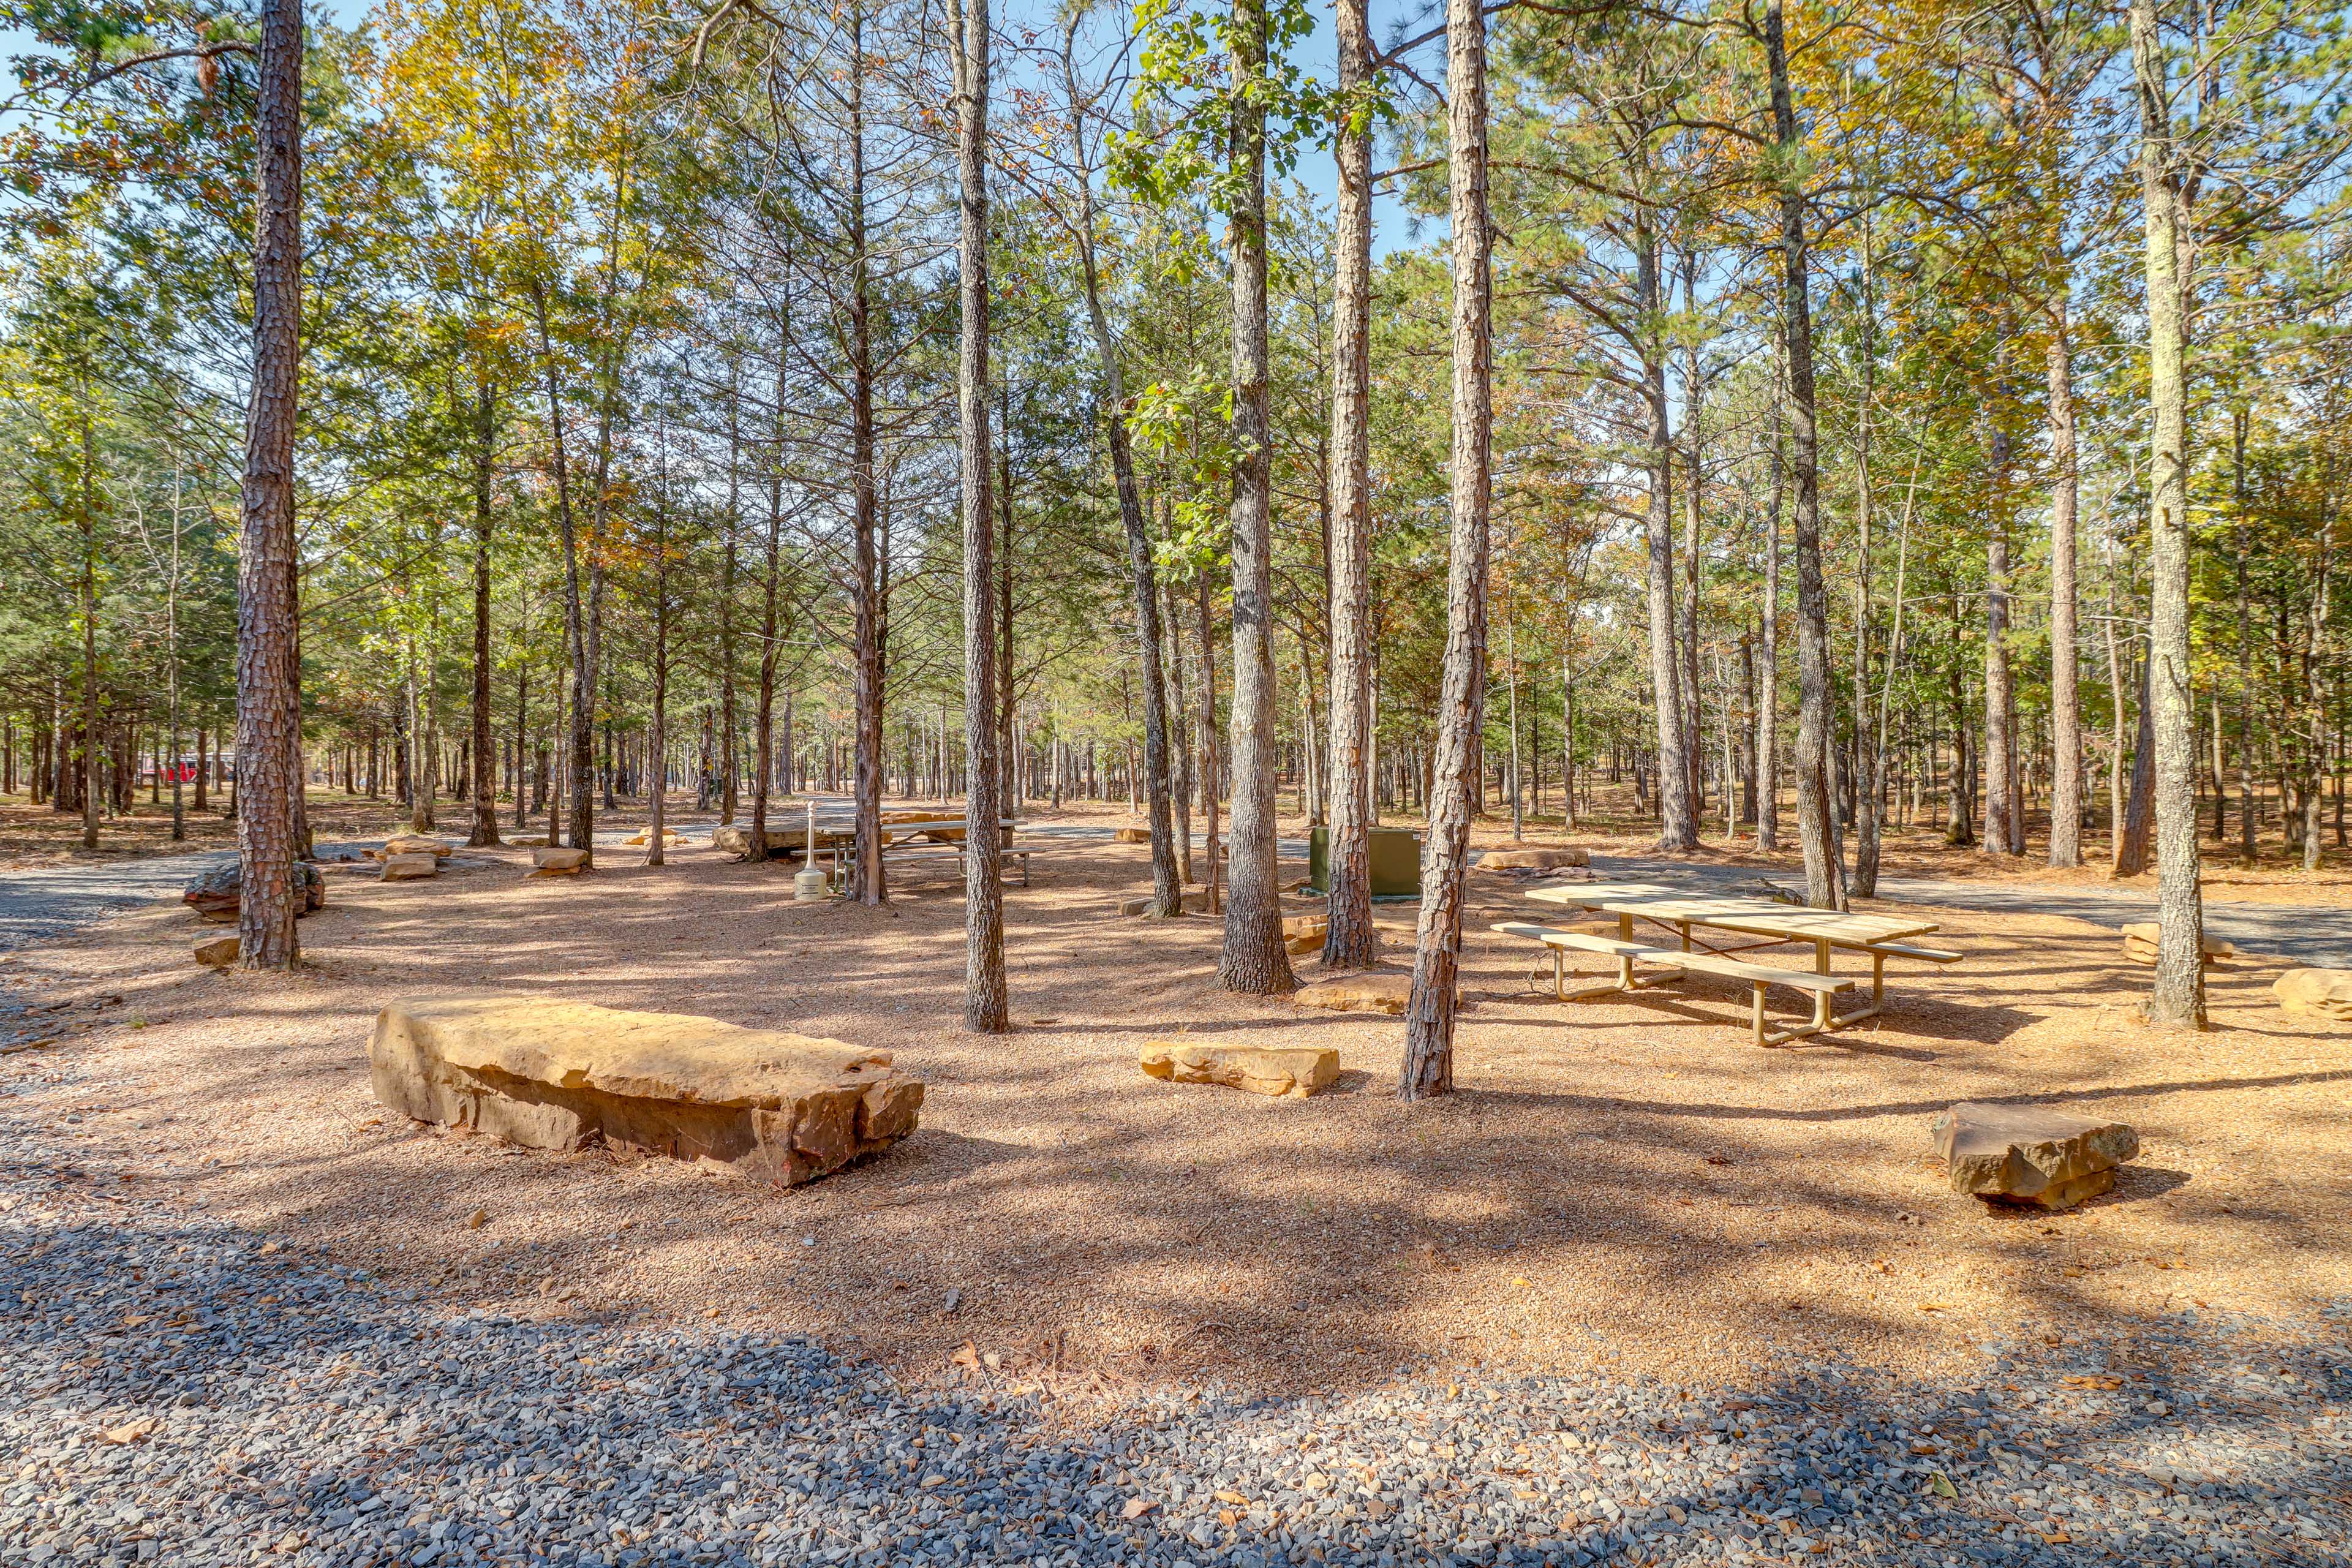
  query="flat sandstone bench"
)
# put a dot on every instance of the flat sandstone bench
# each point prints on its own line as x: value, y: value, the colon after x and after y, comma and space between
x: 552, y: 1074
x: 1757, y: 976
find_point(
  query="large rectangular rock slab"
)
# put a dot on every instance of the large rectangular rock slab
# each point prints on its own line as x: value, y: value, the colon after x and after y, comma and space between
x: 2025, y: 1154
x: 550, y: 1074
x: 1295, y: 1071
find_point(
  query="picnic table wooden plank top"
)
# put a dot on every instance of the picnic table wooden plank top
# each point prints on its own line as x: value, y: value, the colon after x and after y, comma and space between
x: 1762, y: 916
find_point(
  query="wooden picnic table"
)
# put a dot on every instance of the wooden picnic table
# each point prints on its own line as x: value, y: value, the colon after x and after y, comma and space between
x: 1827, y: 931
x: 897, y: 834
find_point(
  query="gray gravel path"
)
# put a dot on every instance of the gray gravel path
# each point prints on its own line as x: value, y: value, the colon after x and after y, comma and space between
x: 50, y: 900
x: 174, y: 1390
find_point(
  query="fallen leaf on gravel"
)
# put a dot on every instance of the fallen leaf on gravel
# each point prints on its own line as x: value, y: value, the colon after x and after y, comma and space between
x: 1234, y: 1497
x: 1933, y: 1306
x: 1227, y: 1518
x: 1522, y: 1282
x: 2093, y: 1382
x: 477, y: 1219
x: 131, y: 1431
x: 268, y: 1248
x: 1943, y: 1485
x: 1137, y: 1508
x: 965, y: 1355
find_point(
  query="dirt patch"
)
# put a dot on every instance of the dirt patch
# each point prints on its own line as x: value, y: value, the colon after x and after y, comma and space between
x: 1637, y: 1172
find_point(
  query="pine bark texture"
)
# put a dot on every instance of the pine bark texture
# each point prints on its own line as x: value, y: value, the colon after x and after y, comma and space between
x: 986, y: 1008
x: 1678, y: 818
x: 2178, y: 993
x: 1428, y: 1066
x: 1350, y: 940
x: 268, y: 679
x: 1254, y: 959
x: 865, y: 877
x: 1824, y: 876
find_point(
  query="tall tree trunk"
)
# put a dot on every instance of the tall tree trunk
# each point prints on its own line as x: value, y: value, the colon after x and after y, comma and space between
x: 2066, y: 659
x: 486, y: 774
x: 1210, y: 769
x: 1184, y: 768
x: 269, y: 679
x: 763, y: 732
x: 1167, y: 890
x: 1350, y: 940
x: 866, y: 878
x: 2248, y: 824
x: 2177, y: 996
x: 1768, y: 672
x: 1869, y: 776
x: 581, y: 736
x: 1428, y: 1066
x: 986, y: 1009
x: 2001, y: 696
x: 1678, y: 825
x: 1824, y: 875
x: 657, y: 769
x: 1693, y: 495
x: 729, y: 742
x: 1254, y: 959
x: 87, y: 613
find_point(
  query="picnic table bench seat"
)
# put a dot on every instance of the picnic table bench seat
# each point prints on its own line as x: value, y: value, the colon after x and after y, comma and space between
x: 1757, y: 977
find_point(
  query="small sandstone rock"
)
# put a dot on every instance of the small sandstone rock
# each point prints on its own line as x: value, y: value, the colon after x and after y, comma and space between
x: 1306, y: 933
x: 416, y: 844
x: 1532, y: 860
x: 1131, y: 835
x: 1372, y: 991
x: 1297, y: 1071
x: 558, y: 862
x: 217, y: 951
x: 551, y: 1074
x: 2326, y: 992
x: 2140, y: 941
x: 410, y: 868
x: 2015, y: 1154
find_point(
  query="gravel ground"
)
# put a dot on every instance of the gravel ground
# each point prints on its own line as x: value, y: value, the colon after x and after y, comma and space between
x: 182, y: 1391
